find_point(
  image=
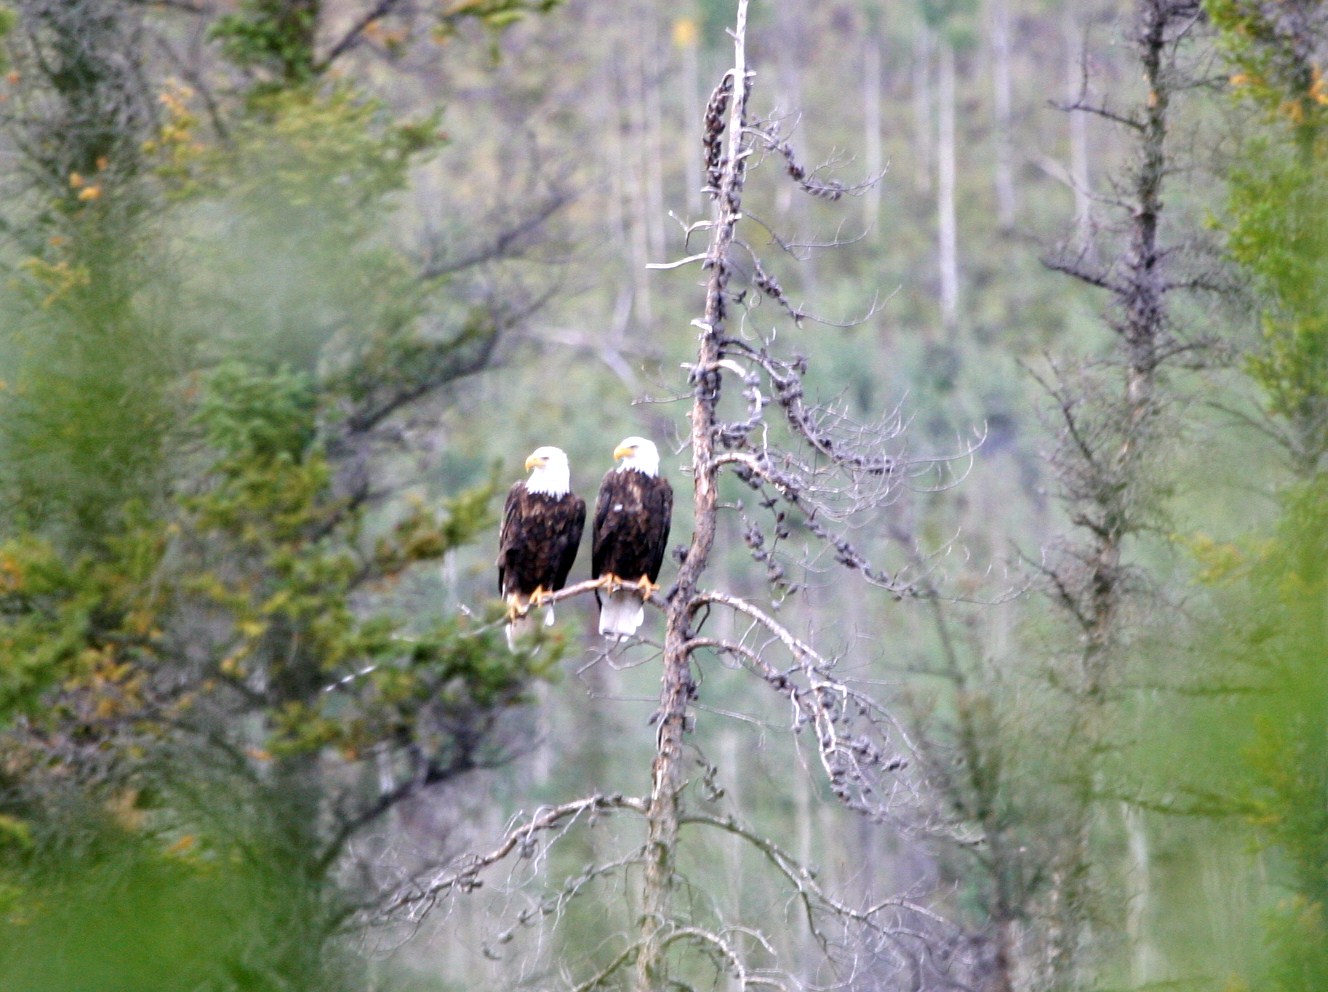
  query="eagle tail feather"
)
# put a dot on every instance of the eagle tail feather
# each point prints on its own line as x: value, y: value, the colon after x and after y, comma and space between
x: 621, y: 613
x: 521, y: 619
x: 517, y: 628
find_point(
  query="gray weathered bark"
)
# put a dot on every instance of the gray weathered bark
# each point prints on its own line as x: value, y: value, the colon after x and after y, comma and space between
x: 1101, y: 477
x: 1002, y: 100
x: 678, y: 686
x: 947, y: 221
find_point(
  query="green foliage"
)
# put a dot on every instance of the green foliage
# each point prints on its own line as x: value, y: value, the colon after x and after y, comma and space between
x: 951, y: 17
x: 1277, y: 211
x: 495, y: 15
x: 252, y: 599
x: 266, y: 417
x: 269, y: 551
x: 1272, y: 50
x: 89, y: 354
x: 1279, y: 215
x: 157, y: 909
x: 1298, y: 942
x: 1289, y: 754
x: 43, y: 631
x: 273, y: 506
x: 276, y: 38
x: 273, y: 35
x: 283, y: 235
x: 1247, y: 749
x: 143, y: 922
x: 1288, y: 757
x: 8, y: 20
x: 88, y: 622
x: 87, y: 398
x: 317, y: 153
x: 191, y: 576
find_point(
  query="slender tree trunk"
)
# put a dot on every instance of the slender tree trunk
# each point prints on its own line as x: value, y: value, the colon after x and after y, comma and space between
x: 662, y: 814
x: 803, y: 942
x: 652, y: 140
x: 1139, y: 894
x: 630, y: 146
x: 984, y: 783
x: 947, y: 220
x: 616, y: 214
x: 922, y: 107
x: 1145, y: 309
x: 1072, y: 31
x: 1004, y: 117
x: 1110, y: 513
x: 692, y: 103
x: 678, y: 686
x: 872, y: 146
x: 790, y: 26
x: 637, y: 196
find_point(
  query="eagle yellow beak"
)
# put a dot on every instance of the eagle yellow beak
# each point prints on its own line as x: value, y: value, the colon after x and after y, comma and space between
x: 533, y: 460
x: 623, y: 450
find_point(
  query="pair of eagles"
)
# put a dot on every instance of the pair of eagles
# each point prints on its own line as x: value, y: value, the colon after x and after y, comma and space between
x: 542, y: 524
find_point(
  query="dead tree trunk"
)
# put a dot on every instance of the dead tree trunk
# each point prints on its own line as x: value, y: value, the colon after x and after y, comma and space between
x: 1100, y: 462
x: 873, y: 125
x: 1003, y: 114
x: 947, y: 219
x: 1079, y: 178
x: 726, y: 157
x: 924, y: 43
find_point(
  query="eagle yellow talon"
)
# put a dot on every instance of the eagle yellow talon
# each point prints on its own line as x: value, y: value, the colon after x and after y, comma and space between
x: 538, y: 597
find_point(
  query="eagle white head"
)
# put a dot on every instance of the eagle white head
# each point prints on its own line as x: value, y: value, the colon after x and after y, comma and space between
x: 549, y: 473
x: 637, y: 453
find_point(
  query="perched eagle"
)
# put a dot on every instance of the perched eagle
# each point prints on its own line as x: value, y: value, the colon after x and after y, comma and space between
x: 632, y: 519
x: 542, y: 524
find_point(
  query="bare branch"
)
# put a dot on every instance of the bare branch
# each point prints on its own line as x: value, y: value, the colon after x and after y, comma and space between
x: 853, y: 763
x: 509, y: 237
x: 464, y: 876
x: 355, y: 32
x: 689, y: 260
x: 809, y: 890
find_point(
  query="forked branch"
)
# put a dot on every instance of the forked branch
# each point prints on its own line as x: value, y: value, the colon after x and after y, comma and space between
x: 464, y: 875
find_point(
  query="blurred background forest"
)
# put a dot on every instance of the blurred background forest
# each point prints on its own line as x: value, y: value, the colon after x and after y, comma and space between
x: 292, y: 287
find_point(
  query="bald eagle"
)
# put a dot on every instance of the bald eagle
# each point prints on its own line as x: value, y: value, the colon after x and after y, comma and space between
x: 632, y: 517
x: 542, y: 524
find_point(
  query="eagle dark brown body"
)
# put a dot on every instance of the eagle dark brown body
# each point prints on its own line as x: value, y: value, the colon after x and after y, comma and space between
x: 632, y: 518
x: 538, y: 542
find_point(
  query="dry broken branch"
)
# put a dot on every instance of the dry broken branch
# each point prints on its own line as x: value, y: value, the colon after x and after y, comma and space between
x: 464, y: 875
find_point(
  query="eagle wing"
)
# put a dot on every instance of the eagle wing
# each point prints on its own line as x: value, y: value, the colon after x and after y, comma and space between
x: 576, y: 523
x: 510, y: 532
x: 659, y: 517
x: 599, y: 535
